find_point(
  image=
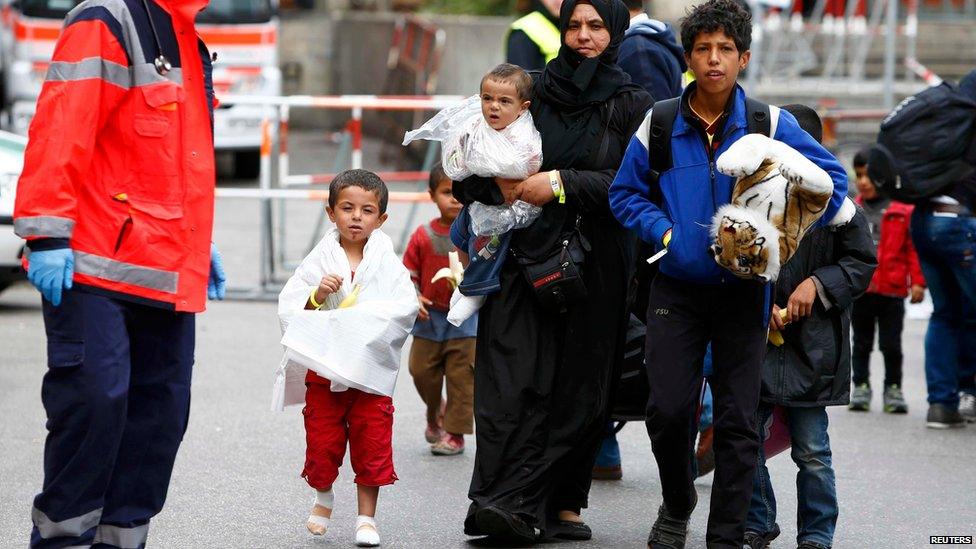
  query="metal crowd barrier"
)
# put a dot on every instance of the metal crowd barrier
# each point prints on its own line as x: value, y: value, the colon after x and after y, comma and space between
x: 277, y: 184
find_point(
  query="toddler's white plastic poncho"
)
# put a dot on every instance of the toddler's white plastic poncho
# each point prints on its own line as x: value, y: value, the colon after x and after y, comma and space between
x: 358, y: 346
x: 469, y: 146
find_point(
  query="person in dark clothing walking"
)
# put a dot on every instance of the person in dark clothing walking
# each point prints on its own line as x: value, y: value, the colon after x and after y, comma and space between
x: 692, y: 300
x: 811, y: 370
x: 533, y: 39
x: 651, y: 55
x: 543, y: 378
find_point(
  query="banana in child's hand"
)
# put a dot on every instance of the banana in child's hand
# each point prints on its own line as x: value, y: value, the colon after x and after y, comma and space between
x: 775, y: 337
x: 351, y: 299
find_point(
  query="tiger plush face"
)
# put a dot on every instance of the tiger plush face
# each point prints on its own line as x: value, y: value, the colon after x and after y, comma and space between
x: 741, y: 248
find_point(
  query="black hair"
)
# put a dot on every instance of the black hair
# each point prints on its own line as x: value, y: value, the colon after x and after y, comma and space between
x: 437, y: 175
x: 861, y: 157
x: 364, y: 179
x: 727, y: 16
x: 634, y: 4
x: 807, y: 118
x: 507, y: 72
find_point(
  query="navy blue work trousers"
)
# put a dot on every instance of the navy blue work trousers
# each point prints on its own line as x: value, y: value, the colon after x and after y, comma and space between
x: 117, y: 397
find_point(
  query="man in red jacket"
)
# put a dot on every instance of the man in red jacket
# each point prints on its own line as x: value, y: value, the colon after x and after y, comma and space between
x: 898, y: 273
x: 116, y: 204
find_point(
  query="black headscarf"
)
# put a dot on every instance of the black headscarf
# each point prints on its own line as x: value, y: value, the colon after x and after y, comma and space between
x: 572, y: 82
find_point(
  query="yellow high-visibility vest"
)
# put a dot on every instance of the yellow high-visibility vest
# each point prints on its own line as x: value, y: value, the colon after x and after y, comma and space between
x: 540, y: 31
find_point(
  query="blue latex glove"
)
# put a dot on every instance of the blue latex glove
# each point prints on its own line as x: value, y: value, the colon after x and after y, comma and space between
x: 50, y: 271
x: 216, y: 286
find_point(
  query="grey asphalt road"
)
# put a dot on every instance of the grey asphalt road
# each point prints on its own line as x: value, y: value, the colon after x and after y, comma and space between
x: 236, y: 482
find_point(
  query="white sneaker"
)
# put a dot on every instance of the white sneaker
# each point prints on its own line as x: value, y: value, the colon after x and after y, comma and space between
x: 366, y: 533
x: 462, y: 307
x: 967, y: 406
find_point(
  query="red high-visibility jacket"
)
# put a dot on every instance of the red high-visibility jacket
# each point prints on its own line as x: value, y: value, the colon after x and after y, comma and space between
x: 898, y: 266
x: 120, y: 162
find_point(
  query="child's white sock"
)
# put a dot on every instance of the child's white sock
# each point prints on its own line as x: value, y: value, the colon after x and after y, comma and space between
x: 318, y: 524
x: 366, y: 533
x: 462, y: 307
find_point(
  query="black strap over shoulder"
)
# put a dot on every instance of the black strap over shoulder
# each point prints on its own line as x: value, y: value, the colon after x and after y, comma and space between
x: 757, y: 117
x: 659, y: 135
x: 662, y: 123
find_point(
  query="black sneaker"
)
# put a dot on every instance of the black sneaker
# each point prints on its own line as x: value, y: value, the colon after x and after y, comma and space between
x: 669, y: 532
x: 755, y: 540
x: 941, y: 417
x: 894, y: 400
x: 860, y: 398
x: 811, y: 545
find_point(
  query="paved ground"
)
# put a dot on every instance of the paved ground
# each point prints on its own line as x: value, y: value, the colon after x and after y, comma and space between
x: 236, y: 481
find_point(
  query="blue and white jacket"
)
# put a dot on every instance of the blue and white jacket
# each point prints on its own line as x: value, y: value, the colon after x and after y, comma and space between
x: 693, y: 190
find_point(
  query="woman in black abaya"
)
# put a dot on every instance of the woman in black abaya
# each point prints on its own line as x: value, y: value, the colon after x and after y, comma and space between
x: 542, y: 379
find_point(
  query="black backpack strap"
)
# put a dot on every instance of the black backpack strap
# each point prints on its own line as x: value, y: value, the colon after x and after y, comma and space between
x: 659, y: 135
x: 758, y: 117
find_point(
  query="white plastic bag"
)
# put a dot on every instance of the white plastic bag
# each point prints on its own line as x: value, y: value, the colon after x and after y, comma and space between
x: 469, y: 146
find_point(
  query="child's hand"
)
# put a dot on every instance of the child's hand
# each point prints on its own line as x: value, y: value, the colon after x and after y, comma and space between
x: 776, y: 321
x: 801, y: 301
x: 423, y: 314
x: 329, y: 285
x: 918, y: 293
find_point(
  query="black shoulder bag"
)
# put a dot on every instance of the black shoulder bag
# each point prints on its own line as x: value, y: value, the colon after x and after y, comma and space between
x: 558, y: 278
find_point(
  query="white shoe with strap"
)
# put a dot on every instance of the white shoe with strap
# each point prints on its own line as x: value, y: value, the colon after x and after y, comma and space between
x: 366, y: 533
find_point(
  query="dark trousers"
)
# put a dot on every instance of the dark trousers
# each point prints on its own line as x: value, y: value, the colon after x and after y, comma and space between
x: 117, y: 397
x: 681, y: 319
x: 889, y: 315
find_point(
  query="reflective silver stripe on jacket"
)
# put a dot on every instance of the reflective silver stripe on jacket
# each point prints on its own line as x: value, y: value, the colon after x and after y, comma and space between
x: 142, y: 73
x: 70, y: 527
x: 126, y: 273
x: 111, y: 72
x: 44, y: 226
x: 125, y: 538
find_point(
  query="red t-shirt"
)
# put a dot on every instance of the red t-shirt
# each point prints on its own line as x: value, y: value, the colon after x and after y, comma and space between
x: 425, y: 255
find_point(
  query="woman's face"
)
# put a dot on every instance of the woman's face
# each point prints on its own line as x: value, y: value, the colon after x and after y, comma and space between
x: 586, y: 33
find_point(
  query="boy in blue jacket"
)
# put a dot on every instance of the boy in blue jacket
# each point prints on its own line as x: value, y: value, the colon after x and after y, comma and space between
x: 693, y: 300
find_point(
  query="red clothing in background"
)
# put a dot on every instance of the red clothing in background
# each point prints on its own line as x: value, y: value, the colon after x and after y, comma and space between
x: 425, y: 255
x: 898, y: 266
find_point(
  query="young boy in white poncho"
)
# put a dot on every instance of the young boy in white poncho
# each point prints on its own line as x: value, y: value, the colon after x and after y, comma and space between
x: 345, y: 315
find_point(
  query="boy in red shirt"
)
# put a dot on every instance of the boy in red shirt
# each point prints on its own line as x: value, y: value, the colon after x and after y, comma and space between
x: 884, y: 302
x: 440, y: 351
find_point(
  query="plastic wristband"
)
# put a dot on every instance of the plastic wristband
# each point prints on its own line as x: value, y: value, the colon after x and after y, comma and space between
x: 311, y: 299
x: 666, y: 239
x: 557, y: 187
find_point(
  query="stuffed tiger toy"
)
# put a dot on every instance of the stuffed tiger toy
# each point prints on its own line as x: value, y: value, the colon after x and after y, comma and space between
x: 778, y: 196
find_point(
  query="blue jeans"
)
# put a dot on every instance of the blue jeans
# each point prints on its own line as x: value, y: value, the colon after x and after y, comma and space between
x: 705, y: 420
x: 946, y: 247
x: 609, y: 455
x: 816, y: 490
